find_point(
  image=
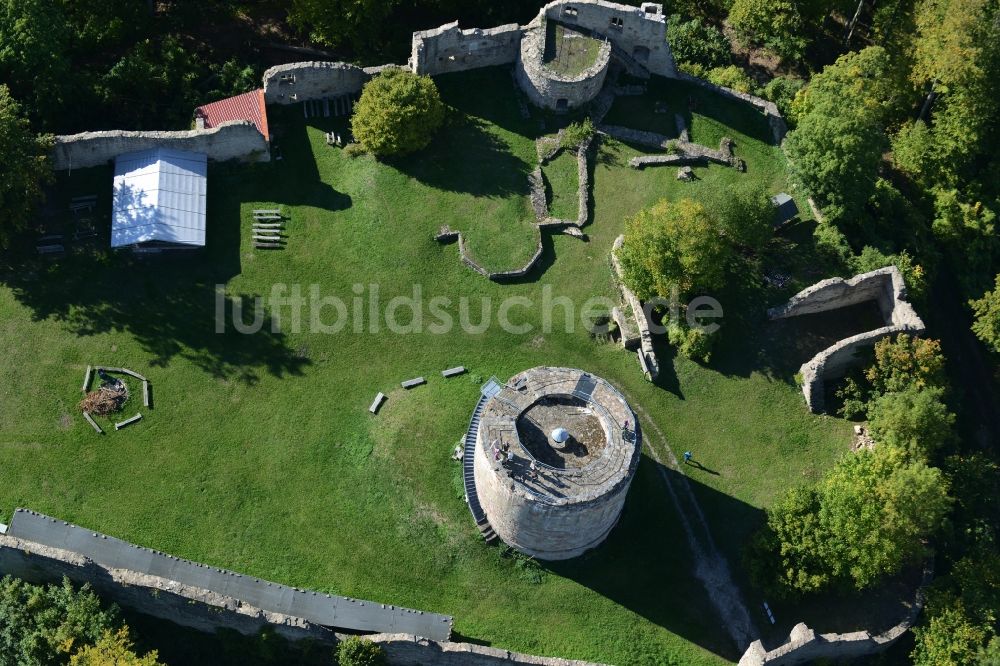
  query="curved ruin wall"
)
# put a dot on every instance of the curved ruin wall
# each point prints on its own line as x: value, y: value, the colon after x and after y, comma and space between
x: 450, y: 49
x: 236, y: 140
x: 544, y: 87
x: 539, y: 529
x: 643, y: 29
x: 886, y: 287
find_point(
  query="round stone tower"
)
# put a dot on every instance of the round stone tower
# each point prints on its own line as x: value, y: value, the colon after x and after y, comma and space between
x: 551, y: 87
x: 547, y: 498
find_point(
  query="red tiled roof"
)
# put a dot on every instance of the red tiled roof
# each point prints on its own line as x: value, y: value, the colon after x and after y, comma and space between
x: 248, y: 106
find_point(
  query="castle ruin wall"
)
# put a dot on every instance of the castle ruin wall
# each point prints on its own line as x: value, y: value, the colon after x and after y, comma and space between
x: 451, y: 49
x: 236, y: 140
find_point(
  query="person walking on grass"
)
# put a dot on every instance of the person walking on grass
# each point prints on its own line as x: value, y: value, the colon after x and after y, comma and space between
x: 687, y: 457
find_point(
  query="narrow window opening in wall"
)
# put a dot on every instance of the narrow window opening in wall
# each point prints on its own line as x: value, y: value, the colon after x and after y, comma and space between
x: 287, y: 78
x: 570, y: 11
x: 617, y: 23
x: 562, y: 104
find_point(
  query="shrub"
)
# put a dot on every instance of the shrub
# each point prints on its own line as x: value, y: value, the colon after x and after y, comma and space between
x: 577, y: 133
x: 949, y: 638
x: 915, y: 419
x: 695, y: 42
x: 692, y: 343
x: 853, y: 396
x: 114, y: 649
x: 777, y: 25
x: 832, y: 244
x: 872, y: 259
x: 398, y: 113
x: 731, y: 77
x: 906, y: 362
x: 356, y: 651
x: 781, y: 90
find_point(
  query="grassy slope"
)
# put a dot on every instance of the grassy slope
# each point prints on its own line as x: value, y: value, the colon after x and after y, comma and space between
x: 260, y: 454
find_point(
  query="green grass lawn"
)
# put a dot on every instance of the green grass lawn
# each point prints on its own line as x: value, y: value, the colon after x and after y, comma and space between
x: 562, y: 184
x: 260, y: 454
x: 568, y: 52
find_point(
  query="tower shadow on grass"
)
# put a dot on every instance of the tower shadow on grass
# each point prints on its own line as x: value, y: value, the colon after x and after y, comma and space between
x: 647, y: 566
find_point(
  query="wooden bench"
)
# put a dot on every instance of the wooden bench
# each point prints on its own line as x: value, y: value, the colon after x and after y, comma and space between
x: 93, y: 423
x: 266, y: 238
x: 145, y: 393
x: 376, y: 403
x: 51, y: 249
x: 127, y: 422
x: 268, y: 225
x: 86, y: 379
x: 268, y: 246
x: 452, y: 372
x: 410, y: 383
x: 270, y: 216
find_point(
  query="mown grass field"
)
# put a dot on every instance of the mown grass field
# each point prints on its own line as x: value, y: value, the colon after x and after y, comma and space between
x: 260, y: 454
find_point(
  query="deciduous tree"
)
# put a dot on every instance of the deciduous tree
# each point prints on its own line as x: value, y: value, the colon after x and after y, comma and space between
x: 673, y: 246
x: 398, y: 113
x: 24, y: 165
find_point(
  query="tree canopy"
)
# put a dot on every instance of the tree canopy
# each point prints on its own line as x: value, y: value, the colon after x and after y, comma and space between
x: 113, y: 649
x: 398, y: 113
x: 24, y: 164
x: 987, y: 313
x: 865, y: 520
x: 43, y: 625
x: 837, y: 146
x: 673, y: 246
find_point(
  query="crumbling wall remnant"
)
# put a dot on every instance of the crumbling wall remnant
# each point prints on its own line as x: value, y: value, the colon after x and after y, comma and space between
x: 236, y: 140
x: 638, y: 34
x: 885, y: 286
x: 451, y: 49
x: 302, y: 81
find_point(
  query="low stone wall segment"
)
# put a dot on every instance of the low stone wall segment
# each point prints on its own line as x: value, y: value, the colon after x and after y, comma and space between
x: 409, y: 650
x: 648, y: 360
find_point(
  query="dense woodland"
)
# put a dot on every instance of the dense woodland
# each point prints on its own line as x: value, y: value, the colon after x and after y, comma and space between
x: 895, y: 130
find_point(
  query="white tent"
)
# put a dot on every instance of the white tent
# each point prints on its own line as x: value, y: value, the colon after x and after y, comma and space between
x: 159, y: 199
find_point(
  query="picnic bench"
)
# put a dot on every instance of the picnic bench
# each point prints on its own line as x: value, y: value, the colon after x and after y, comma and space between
x: 452, y: 372
x: 410, y: 383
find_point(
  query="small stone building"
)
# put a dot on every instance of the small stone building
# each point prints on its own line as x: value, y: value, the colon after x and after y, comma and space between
x: 572, y: 499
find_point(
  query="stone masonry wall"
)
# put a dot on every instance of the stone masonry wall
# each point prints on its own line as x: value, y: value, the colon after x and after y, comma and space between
x: 237, y: 140
x: 544, y: 87
x: 774, y: 119
x: 161, y: 598
x: 451, y: 49
x: 885, y: 286
x: 646, y: 352
x: 805, y: 646
x: 409, y: 650
x: 300, y: 81
x: 642, y: 34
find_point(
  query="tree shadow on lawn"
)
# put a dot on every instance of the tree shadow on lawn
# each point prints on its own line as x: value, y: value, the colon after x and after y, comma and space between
x: 646, y: 565
x: 168, y: 302
x: 465, y: 156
